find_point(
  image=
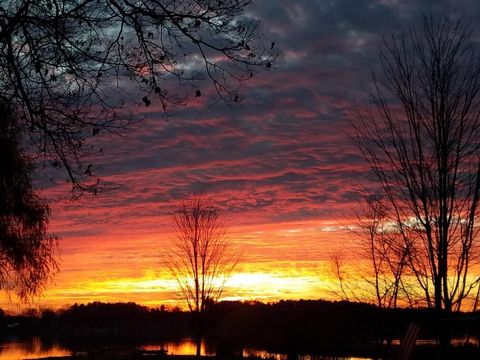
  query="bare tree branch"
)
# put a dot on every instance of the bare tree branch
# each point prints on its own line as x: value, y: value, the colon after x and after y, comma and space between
x: 421, y: 143
x: 73, y: 70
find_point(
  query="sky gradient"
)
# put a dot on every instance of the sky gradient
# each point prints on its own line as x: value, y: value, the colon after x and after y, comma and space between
x: 279, y: 166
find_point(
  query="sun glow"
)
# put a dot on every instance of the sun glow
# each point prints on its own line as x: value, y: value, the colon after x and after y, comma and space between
x: 278, y: 261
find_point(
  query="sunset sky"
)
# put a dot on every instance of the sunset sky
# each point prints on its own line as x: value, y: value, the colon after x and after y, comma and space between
x: 279, y: 165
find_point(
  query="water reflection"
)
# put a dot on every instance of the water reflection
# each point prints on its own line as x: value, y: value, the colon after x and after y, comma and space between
x: 35, y: 348
x: 464, y: 341
x: 262, y: 354
x: 181, y: 347
x: 30, y: 349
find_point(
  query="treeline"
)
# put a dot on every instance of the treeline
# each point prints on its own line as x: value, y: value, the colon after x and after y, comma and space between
x: 292, y: 327
x: 99, y: 321
x: 316, y: 326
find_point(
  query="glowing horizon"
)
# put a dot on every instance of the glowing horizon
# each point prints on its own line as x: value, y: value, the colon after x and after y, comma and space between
x: 119, y: 273
x: 279, y: 165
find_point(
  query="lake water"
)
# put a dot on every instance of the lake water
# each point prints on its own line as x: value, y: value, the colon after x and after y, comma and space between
x: 34, y: 349
x: 182, y: 347
x: 30, y: 349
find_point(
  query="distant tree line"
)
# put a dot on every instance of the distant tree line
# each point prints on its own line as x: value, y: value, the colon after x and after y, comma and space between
x: 290, y: 327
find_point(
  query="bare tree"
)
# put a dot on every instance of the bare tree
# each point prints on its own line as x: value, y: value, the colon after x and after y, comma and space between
x: 337, y: 262
x: 71, y: 69
x: 27, y: 251
x: 421, y: 141
x: 386, y: 254
x: 201, y: 259
x: 383, y: 272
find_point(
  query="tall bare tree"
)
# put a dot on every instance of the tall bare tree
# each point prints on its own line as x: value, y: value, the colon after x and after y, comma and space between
x: 200, y: 259
x: 72, y: 70
x: 421, y: 140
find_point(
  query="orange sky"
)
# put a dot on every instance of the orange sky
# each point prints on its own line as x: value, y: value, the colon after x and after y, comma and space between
x: 279, y: 165
x: 279, y: 261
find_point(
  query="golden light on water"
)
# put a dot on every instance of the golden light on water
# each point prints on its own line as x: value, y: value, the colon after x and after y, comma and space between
x: 33, y: 349
x: 183, y: 347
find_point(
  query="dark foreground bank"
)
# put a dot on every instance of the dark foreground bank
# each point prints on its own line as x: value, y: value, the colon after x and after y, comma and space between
x: 288, y: 329
x: 421, y: 353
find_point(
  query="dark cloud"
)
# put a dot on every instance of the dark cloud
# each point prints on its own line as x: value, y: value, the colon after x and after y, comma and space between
x: 282, y: 154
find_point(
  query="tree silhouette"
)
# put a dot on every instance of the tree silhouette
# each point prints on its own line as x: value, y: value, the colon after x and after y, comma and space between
x: 421, y: 143
x: 27, y: 252
x: 200, y: 259
x: 72, y: 70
